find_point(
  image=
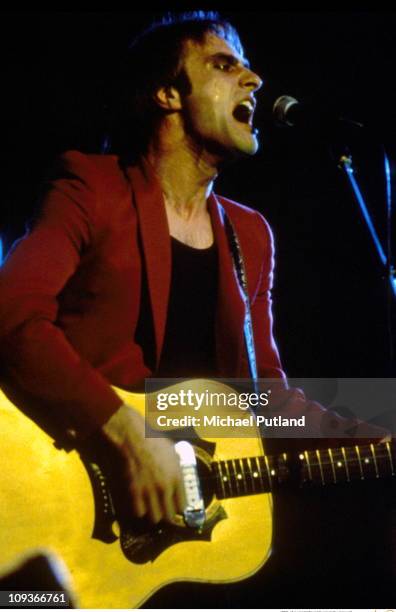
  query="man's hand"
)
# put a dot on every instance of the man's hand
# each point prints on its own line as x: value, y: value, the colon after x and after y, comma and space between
x: 152, y: 474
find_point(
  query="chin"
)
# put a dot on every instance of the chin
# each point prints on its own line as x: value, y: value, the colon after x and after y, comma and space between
x: 251, y: 150
x: 248, y: 149
x: 247, y: 143
x: 233, y: 149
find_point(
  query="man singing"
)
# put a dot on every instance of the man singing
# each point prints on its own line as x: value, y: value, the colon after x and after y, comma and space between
x: 126, y: 272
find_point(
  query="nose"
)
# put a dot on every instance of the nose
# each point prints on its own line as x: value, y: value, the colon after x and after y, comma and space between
x: 250, y: 80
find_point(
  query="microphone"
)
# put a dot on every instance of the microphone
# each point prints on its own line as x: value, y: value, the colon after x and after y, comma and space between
x: 289, y: 112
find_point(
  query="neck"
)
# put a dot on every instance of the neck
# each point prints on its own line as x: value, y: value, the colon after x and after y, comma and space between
x: 186, y: 176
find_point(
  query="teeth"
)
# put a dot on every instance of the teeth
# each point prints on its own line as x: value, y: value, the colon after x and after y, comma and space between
x: 247, y: 104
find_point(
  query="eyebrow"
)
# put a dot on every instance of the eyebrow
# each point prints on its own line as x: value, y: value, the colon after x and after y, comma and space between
x: 231, y: 59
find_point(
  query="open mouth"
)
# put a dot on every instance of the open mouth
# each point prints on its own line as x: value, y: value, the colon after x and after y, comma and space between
x: 243, y: 112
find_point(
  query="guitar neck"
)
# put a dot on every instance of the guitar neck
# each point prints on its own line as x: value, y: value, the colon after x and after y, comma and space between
x: 263, y: 474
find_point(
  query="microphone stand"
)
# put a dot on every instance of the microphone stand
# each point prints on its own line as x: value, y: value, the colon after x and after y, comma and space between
x: 345, y: 163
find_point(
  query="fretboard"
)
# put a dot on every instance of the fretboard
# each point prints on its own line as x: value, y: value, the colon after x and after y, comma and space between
x: 250, y: 475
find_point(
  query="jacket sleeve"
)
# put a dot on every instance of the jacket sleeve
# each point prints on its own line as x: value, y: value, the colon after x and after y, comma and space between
x: 36, y: 357
x: 267, y: 354
x: 321, y: 424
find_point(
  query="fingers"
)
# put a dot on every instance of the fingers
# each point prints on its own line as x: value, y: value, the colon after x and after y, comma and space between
x: 159, y: 497
x: 179, y: 497
x: 139, y: 506
x: 169, y: 507
x: 151, y: 471
x: 158, y: 503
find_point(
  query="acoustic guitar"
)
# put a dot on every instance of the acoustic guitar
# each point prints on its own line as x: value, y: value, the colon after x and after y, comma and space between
x: 60, y: 502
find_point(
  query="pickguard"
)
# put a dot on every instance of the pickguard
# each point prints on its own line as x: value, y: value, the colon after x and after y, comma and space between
x: 148, y: 545
x: 140, y: 540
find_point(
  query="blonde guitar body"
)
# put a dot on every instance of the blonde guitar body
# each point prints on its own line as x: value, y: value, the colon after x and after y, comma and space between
x: 47, y: 501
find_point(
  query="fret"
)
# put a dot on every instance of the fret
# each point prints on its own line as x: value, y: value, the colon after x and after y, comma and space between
x: 268, y: 471
x: 352, y: 462
x: 360, y: 462
x: 252, y: 474
x: 250, y: 484
x: 228, y: 480
x: 375, y: 460
x: 332, y: 464
x: 388, y: 448
x: 340, y: 465
x: 367, y: 462
x: 264, y: 473
x: 257, y: 482
x: 233, y: 476
x: 217, y: 468
x: 320, y: 461
x: 243, y: 472
x: 315, y: 465
x: 383, y: 455
x: 228, y: 477
x: 283, y: 470
x: 345, y: 463
x: 306, y: 455
x: 259, y: 473
x: 237, y: 476
x: 320, y: 466
x: 273, y: 467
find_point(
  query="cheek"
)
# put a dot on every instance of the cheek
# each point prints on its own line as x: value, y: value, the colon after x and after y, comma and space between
x: 217, y: 98
x: 204, y: 111
x: 209, y: 98
x: 208, y: 110
x: 216, y: 94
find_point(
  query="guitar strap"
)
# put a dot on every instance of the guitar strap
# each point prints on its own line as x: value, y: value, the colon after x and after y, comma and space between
x: 240, y: 271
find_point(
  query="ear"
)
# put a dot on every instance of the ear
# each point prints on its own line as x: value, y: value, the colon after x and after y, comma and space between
x: 168, y: 98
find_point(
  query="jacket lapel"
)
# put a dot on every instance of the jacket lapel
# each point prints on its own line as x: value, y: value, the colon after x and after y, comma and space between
x: 153, y: 224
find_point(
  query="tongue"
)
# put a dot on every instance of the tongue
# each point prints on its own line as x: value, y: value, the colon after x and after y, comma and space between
x: 242, y: 114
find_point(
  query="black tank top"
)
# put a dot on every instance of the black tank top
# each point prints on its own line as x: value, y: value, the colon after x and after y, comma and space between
x: 189, y: 341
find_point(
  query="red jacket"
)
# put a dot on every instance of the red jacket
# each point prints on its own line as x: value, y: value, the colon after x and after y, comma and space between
x: 70, y: 291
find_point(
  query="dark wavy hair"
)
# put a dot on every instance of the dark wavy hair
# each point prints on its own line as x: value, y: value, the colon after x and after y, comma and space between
x: 153, y: 61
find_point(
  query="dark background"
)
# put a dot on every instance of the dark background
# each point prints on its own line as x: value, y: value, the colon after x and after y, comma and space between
x: 330, y: 295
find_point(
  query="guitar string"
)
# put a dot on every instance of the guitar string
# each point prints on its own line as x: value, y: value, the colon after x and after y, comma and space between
x: 351, y: 462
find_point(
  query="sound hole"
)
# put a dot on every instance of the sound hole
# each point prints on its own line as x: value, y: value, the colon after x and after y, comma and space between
x: 141, y: 541
x: 206, y: 481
